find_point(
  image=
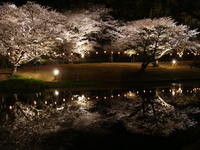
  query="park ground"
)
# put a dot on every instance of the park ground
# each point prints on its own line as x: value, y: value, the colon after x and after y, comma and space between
x: 109, y: 73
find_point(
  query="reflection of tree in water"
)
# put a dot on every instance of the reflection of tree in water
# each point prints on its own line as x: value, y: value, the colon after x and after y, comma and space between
x: 25, y: 125
x: 146, y: 113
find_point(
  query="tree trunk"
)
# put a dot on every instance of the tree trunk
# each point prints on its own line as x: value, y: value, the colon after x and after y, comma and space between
x: 144, y: 66
x: 14, y: 71
x: 155, y: 63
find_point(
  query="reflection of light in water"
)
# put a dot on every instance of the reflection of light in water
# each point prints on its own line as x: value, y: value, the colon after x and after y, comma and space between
x: 56, y: 93
x: 131, y: 95
x: 179, y: 90
x: 60, y: 108
x: 173, y: 93
x: 81, y: 98
x: 34, y: 102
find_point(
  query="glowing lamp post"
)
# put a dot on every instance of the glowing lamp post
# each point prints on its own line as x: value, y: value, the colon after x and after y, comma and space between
x: 56, y: 72
x: 173, y: 63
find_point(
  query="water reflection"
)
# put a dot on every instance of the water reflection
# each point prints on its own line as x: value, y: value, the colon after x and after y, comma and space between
x: 153, y: 111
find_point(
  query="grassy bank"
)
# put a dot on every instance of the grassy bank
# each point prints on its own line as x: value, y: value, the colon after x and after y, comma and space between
x: 31, y: 84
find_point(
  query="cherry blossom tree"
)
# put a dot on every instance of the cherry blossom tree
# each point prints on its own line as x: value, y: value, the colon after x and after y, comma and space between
x: 107, y: 38
x: 28, y: 31
x: 84, y: 23
x: 153, y: 38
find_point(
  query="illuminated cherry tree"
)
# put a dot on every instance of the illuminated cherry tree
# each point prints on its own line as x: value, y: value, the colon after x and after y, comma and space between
x: 84, y: 23
x: 107, y: 38
x: 28, y: 31
x: 153, y: 38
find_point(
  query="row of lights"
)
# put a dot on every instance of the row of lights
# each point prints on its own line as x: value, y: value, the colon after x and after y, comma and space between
x: 56, y: 92
x: 112, y: 52
x: 81, y: 98
x: 106, y: 52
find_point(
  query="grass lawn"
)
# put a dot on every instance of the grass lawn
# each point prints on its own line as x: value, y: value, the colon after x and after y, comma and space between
x: 107, y: 73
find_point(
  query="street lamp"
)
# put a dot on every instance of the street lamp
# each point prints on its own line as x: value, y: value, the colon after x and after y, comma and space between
x: 173, y: 63
x: 56, y: 72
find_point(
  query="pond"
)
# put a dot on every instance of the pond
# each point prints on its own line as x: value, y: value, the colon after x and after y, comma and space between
x: 162, y: 117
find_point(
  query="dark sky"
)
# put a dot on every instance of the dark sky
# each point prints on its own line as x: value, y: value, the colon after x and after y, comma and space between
x: 128, y: 9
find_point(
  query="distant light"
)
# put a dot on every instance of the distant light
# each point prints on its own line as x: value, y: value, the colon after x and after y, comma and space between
x: 97, y: 52
x: 82, y: 55
x: 10, y: 107
x: 63, y: 99
x: 118, y: 53
x: 45, y: 102
x: 104, y: 51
